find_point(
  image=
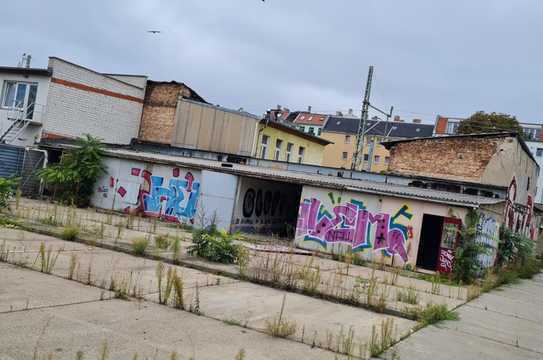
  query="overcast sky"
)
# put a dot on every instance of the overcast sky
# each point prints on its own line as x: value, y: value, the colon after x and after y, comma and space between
x: 431, y: 57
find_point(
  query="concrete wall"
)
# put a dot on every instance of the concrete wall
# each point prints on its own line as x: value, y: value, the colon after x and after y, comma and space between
x: 207, y: 127
x: 33, y: 131
x: 377, y: 228
x: 82, y: 101
x: 265, y: 207
x: 534, y: 146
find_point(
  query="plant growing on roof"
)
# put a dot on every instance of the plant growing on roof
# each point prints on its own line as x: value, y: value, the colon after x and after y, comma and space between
x: 74, y: 177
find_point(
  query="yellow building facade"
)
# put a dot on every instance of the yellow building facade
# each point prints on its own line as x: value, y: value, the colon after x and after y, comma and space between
x: 279, y: 142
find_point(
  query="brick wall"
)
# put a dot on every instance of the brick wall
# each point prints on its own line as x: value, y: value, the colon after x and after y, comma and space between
x: 82, y: 101
x: 158, y: 120
x: 462, y: 159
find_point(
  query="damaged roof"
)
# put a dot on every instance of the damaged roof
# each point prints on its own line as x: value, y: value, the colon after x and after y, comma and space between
x: 331, y: 182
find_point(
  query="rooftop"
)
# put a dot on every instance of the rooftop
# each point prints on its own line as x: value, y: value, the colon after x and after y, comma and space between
x: 287, y: 127
x: 393, y: 129
x: 305, y: 118
x: 25, y: 71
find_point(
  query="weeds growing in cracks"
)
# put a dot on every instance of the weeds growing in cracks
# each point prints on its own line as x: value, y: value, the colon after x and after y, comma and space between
x: 47, y: 258
x: 280, y: 326
x: 380, y: 342
x: 72, y: 268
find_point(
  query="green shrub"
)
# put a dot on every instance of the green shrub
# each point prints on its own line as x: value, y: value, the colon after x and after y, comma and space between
x: 162, y: 242
x: 70, y: 233
x: 7, y: 190
x: 514, y: 248
x: 466, y: 264
x: 436, y: 313
x: 215, y: 246
x: 139, y: 246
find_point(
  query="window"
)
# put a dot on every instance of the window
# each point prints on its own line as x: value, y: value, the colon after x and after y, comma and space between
x: 289, y: 151
x: 301, y: 152
x: 264, y: 146
x: 539, y: 152
x: 532, y: 134
x: 376, y: 159
x: 20, y: 95
x: 278, y: 144
x: 347, y: 139
x: 366, y: 157
x: 344, y: 156
x: 312, y: 130
x: 319, y: 131
x: 452, y: 128
x: 387, y: 160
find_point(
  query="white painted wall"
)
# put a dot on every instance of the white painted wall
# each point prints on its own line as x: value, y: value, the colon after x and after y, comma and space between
x: 32, y: 132
x: 534, y: 145
x: 75, y: 112
x: 217, y: 199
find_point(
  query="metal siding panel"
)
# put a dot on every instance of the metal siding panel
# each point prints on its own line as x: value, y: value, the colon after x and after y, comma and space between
x: 11, y: 159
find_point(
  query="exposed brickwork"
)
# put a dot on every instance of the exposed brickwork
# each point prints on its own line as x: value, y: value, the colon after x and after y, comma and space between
x: 456, y: 158
x: 158, y: 120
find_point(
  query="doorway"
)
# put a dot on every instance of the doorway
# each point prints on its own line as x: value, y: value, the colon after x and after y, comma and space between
x: 430, y: 240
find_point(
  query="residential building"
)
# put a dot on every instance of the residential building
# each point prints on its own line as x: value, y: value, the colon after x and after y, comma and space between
x: 281, y: 141
x: 310, y: 123
x: 342, y: 131
x: 68, y: 100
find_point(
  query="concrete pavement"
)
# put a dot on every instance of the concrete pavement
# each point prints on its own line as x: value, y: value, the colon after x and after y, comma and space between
x: 506, y: 323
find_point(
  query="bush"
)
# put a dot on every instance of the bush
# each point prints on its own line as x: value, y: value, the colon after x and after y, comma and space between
x: 466, y: 264
x: 436, y: 313
x: 514, y: 248
x: 7, y: 189
x: 139, y: 246
x: 70, y: 233
x: 215, y: 246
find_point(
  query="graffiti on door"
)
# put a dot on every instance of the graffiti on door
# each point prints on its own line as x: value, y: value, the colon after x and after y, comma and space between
x: 174, y: 201
x: 351, y: 223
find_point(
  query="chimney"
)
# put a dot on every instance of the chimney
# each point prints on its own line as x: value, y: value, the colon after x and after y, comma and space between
x: 397, y: 118
x: 309, y: 109
x: 28, y: 59
x: 339, y: 113
x: 351, y: 112
x: 417, y: 121
x: 278, y: 107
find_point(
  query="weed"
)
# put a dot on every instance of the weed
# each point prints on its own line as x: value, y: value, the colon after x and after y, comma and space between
x: 139, y: 246
x: 178, y: 288
x: 70, y: 233
x: 232, y: 322
x: 104, y: 351
x: 162, y: 242
x: 47, y: 258
x: 311, y: 278
x: 378, y: 344
x: 73, y: 266
x: 240, y: 355
x: 280, y: 327
x: 4, y: 252
x: 372, y: 286
x: 436, y: 285
x: 176, y: 248
x: 345, y: 342
x: 436, y: 313
x: 165, y: 290
x: 195, y: 308
x: 214, y: 246
x: 409, y: 296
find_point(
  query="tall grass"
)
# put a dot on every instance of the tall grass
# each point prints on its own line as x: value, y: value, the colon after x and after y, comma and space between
x: 279, y: 326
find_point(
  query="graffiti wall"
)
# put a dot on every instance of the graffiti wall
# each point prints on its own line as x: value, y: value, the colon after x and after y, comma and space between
x: 488, y: 232
x: 165, y: 192
x: 375, y: 228
x: 266, y: 207
x: 518, y: 216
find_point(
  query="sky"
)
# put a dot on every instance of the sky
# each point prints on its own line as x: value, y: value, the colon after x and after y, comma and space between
x: 430, y: 57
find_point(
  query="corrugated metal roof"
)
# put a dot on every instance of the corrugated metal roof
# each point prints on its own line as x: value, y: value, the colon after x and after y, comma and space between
x: 393, y: 129
x: 311, y: 179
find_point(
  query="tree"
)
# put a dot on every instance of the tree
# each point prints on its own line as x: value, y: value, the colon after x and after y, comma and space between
x: 73, y: 179
x: 481, y: 122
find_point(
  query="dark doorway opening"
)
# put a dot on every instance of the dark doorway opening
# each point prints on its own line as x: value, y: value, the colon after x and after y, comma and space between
x: 430, y: 240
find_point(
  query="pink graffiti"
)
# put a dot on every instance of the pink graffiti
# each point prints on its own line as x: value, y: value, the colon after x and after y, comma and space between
x: 350, y: 224
x: 446, y: 261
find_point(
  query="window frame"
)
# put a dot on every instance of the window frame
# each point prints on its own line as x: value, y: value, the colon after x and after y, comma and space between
x: 29, y: 85
x: 278, y: 146
x: 289, y: 151
x: 264, y: 146
x: 301, y: 154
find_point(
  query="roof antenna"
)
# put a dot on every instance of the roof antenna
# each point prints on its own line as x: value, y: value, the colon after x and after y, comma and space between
x: 25, y: 61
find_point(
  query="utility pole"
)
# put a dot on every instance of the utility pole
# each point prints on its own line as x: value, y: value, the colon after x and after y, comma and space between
x: 359, y: 153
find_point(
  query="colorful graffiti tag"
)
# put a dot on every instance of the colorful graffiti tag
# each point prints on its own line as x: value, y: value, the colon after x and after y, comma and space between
x: 177, y: 201
x: 351, y: 223
x: 518, y: 217
x: 488, y: 236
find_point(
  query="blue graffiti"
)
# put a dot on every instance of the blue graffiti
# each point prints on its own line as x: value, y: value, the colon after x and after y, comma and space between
x: 168, y: 201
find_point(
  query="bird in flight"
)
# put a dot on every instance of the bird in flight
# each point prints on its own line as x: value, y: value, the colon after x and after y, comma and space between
x: 154, y: 31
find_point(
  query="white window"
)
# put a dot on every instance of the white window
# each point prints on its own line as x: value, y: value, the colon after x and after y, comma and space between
x: 278, y: 144
x: 301, y: 152
x: 452, y: 128
x: 264, y: 146
x: 289, y: 151
x: 344, y: 156
x: 20, y: 95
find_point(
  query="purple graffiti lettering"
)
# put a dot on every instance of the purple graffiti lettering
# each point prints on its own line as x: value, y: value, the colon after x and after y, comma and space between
x: 351, y: 224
